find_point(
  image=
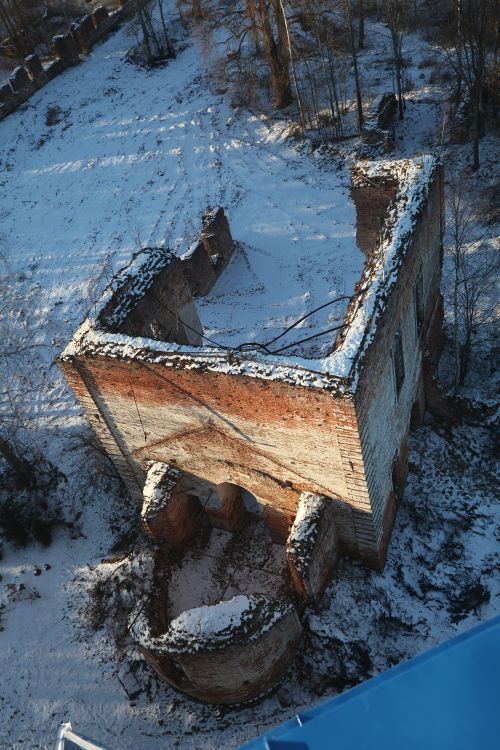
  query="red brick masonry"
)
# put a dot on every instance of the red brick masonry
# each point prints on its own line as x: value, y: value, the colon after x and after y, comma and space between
x: 275, y: 429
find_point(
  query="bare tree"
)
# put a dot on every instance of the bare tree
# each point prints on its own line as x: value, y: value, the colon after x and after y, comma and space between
x: 474, y: 275
x: 276, y: 50
x: 476, y: 34
x: 480, y: 271
x: 281, y: 9
x: 15, y: 343
x: 196, y: 10
x: 361, y: 24
x: 350, y: 25
x: 18, y: 26
x: 394, y: 15
x: 265, y: 22
x: 155, y: 39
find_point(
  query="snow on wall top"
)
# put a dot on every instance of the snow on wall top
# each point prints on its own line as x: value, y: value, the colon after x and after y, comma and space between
x: 212, y: 627
x: 308, y: 511
x: 130, y: 285
x: 414, y: 178
x: 305, y: 529
x: 338, y: 370
x: 161, y: 480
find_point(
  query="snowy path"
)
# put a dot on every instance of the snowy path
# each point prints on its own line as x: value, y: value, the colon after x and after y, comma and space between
x: 135, y: 159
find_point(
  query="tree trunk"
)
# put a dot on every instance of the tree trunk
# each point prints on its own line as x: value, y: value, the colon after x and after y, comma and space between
x: 169, y: 48
x: 284, y: 31
x: 25, y: 476
x: 280, y: 78
x: 476, y: 125
x: 14, y: 30
x: 399, y: 84
x: 465, y: 357
x: 196, y: 10
x: 361, y: 25
x: 393, y: 11
x: 252, y: 15
x: 145, y: 36
x: 456, y: 327
x: 355, y: 63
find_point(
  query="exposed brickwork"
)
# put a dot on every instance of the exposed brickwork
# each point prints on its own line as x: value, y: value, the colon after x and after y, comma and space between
x: 34, y: 66
x: 216, y: 236
x: 169, y: 514
x: 19, y: 80
x: 161, y: 306
x: 371, y: 200
x: 7, y: 95
x: 225, y: 428
x: 176, y: 521
x: 64, y: 47
x: 199, y: 270
x: 275, y: 439
x: 166, y: 311
x: 239, y: 668
x: 312, y: 549
x: 82, y: 33
x: 384, y: 416
x: 216, y: 433
x: 278, y: 523
x: 99, y: 15
x: 225, y: 508
x: 376, y: 130
x: 31, y: 77
x: 84, y: 389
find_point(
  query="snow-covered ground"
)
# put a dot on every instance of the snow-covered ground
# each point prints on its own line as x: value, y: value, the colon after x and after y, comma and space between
x: 227, y: 565
x: 135, y: 159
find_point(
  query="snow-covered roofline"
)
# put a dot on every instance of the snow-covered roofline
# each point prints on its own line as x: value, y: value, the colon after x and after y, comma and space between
x: 338, y: 372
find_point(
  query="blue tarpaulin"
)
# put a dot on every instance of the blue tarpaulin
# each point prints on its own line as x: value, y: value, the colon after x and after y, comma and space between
x: 446, y: 698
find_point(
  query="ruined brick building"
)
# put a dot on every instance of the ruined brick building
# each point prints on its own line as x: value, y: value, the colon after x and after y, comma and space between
x: 320, y: 443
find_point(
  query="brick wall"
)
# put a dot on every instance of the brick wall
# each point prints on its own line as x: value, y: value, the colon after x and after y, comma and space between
x: 242, y: 665
x: 371, y: 200
x: 166, y: 311
x: 155, y: 299
x: 311, y: 548
x: 30, y: 77
x: 274, y: 439
x: 384, y: 416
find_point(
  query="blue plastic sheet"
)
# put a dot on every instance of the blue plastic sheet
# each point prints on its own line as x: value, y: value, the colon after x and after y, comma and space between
x: 446, y: 698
